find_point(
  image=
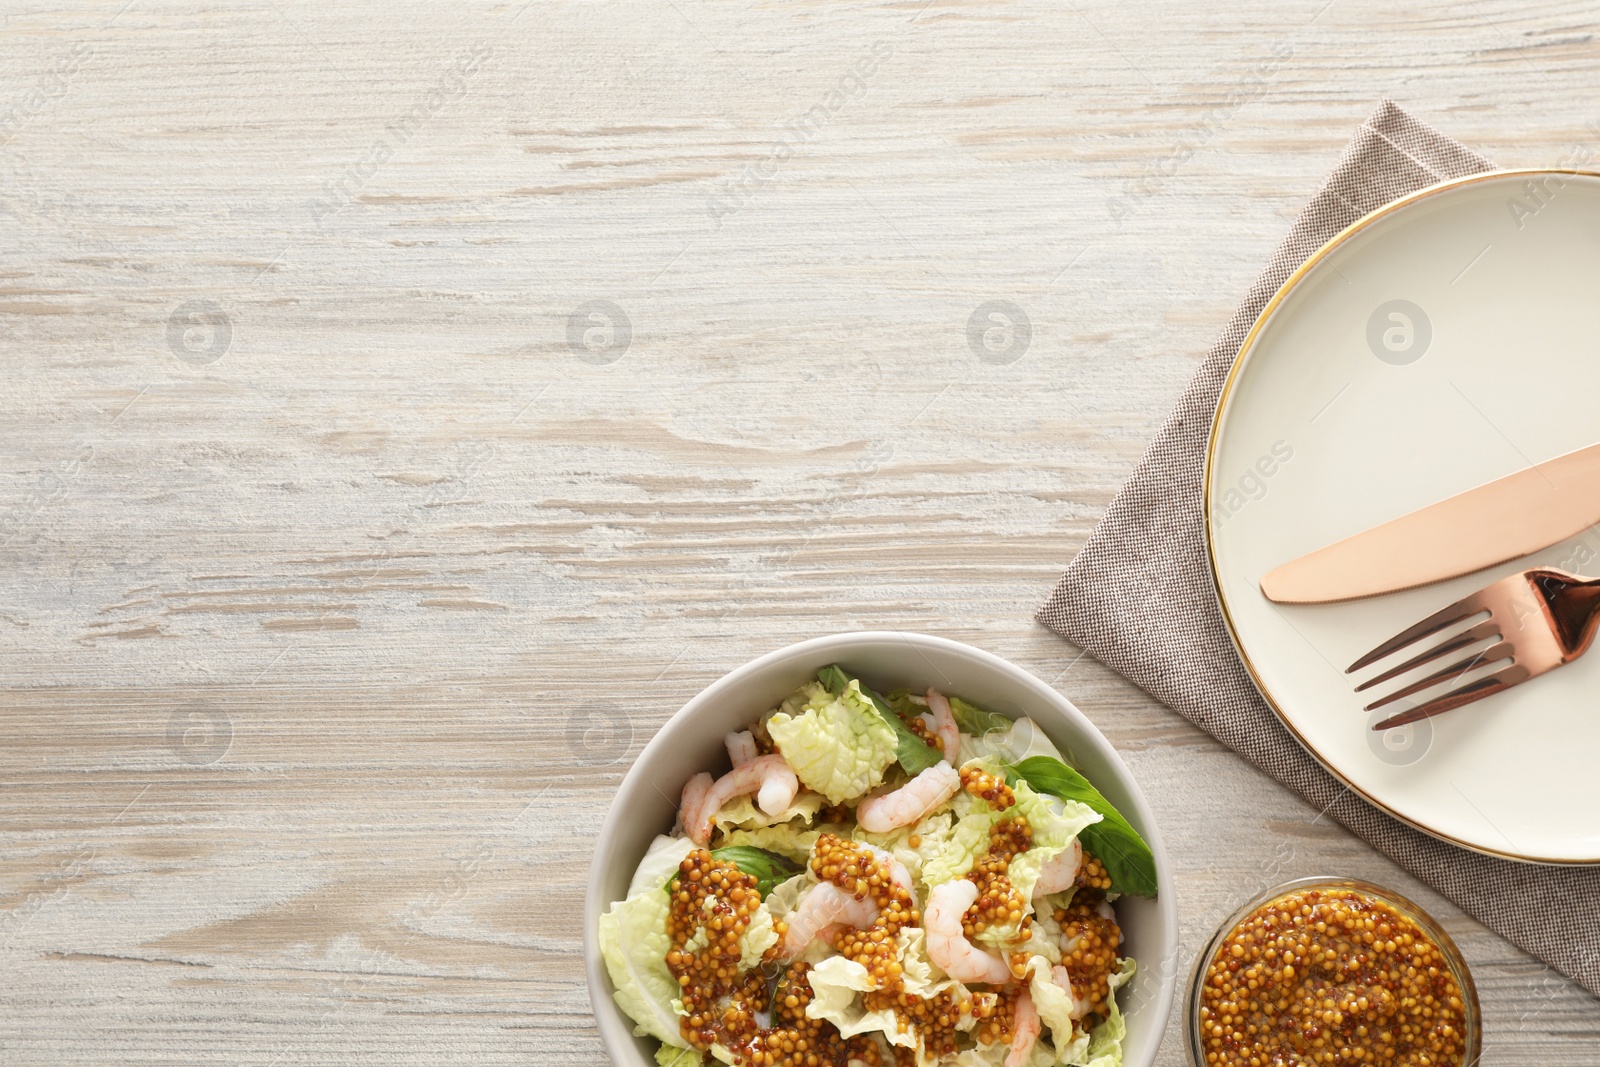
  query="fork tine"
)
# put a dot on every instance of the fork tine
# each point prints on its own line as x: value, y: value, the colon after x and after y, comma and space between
x: 1487, y: 686
x: 1495, y: 652
x: 1487, y: 628
x: 1461, y: 609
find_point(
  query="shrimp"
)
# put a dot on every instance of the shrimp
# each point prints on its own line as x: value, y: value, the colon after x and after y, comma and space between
x: 1059, y: 874
x: 769, y: 777
x: 831, y: 934
x: 826, y: 912
x: 909, y: 803
x: 943, y: 725
x: 897, y: 872
x: 818, y: 914
x: 948, y: 947
x: 694, y: 795
x: 742, y: 747
x: 1080, y: 1005
x: 1025, y: 1028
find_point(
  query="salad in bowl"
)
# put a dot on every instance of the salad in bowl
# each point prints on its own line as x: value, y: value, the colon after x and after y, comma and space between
x: 903, y: 878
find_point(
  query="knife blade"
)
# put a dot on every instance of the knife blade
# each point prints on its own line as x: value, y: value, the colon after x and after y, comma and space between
x: 1499, y: 521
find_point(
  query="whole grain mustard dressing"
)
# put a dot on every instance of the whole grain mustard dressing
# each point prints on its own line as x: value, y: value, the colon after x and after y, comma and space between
x: 1330, y: 976
x: 763, y: 1023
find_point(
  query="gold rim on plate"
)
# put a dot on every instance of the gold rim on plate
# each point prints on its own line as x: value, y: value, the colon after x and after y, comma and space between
x: 1282, y: 294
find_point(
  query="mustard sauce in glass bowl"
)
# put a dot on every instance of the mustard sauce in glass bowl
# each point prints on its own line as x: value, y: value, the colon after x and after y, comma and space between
x: 1332, y: 971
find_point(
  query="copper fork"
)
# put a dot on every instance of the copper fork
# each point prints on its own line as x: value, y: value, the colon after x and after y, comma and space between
x: 1536, y: 621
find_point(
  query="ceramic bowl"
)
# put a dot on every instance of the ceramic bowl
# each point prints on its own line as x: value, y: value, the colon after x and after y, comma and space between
x: 691, y: 741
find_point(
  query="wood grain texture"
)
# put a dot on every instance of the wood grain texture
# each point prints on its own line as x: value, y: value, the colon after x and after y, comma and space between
x: 341, y: 590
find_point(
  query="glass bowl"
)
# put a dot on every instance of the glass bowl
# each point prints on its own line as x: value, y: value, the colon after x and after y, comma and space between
x: 1473, y: 1037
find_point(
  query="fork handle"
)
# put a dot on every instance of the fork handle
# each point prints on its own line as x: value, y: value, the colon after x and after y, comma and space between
x: 1574, y: 606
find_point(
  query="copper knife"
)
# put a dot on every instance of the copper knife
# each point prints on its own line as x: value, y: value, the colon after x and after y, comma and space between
x: 1501, y: 520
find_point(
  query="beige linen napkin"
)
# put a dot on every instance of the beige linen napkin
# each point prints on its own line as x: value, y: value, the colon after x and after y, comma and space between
x: 1139, y: 596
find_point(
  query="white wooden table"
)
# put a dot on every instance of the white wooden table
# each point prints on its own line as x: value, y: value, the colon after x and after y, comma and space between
x: 349, y: 561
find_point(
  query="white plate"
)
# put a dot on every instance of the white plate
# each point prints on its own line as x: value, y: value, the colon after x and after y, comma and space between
x: 1446, y: 340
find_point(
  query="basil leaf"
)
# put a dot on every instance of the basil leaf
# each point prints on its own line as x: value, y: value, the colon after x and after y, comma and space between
x: 907, y: 708
x: 834, y: 680
x: 768, y: 868
x: 1127, y: 858
x: 974, y: 720
x: 913, y: 753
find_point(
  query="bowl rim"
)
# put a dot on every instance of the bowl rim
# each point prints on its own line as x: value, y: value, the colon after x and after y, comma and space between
x: 1399, y: 901
x: 616, y: 1033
